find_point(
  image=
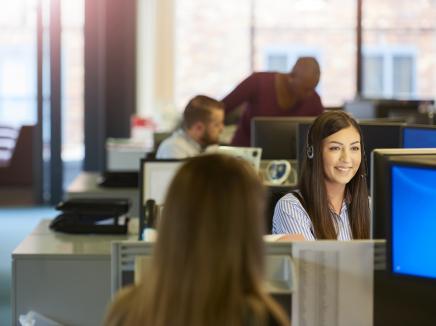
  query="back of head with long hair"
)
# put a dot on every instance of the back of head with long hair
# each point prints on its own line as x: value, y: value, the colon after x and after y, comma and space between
x: 208, y: 259
x: 314, y: 191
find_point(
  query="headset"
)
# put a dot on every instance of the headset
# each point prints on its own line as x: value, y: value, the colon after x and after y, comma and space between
x: 309, y: 151
x: 309, y: 148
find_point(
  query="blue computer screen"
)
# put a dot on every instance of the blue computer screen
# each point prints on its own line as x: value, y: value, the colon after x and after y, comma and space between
x: 419, y: 138
x: 414, y: 221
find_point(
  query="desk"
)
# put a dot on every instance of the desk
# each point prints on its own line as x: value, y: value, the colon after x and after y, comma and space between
x: 86, y: 186
x: 64, y: 277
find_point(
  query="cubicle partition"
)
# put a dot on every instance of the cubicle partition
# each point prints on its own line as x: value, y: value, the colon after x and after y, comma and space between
x: 313, y: 281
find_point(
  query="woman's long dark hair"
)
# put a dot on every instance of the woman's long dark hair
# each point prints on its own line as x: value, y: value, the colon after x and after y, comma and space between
x: 314, y: 192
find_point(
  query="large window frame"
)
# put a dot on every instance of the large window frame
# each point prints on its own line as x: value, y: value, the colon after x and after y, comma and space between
x: 388, y: 54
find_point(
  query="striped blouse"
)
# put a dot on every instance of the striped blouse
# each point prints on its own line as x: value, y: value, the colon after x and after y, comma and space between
x: 291, y: 217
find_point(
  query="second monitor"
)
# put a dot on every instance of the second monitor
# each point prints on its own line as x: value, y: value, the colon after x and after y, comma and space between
x: 277, y: 136
x: 419, y: 136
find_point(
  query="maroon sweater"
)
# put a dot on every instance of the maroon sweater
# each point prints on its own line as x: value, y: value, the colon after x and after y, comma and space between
x: 259, y: 93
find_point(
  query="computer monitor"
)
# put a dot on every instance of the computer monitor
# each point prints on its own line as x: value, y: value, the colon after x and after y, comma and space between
x: 156, y: 176
x: 379, y: 135
x: 154, y: 179
x: 411, y: 208
x: 419, y: 136
x: 380, y: 187
x: 277, y: 136
x: 405, y: 293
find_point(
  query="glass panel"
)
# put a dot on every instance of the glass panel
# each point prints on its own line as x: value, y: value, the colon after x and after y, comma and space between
x: 46, y: 92
x: 212, y: 47
x: 18, y: 62
x: 403, y: 76
x: 402, y: 30
x: 277, y: 62
x: 373, y: 76
x: 212, y: 57
x: 323, y: 29
x: 72, y: 88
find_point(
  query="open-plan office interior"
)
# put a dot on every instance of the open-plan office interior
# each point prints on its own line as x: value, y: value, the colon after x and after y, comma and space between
x: 88, y: 87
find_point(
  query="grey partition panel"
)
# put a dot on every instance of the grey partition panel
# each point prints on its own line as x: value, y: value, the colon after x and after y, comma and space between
x: 278, y: 254
x: 123, y: 261
x: 279, y: 271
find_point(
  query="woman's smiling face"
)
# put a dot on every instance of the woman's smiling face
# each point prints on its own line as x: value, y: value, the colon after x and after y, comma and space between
x: 341, y: 156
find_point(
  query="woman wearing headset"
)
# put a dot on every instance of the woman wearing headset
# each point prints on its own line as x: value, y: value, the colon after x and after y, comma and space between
x: 332, y: 200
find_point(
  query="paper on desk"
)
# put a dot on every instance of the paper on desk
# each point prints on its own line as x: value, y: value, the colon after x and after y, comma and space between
x: 335, y: 283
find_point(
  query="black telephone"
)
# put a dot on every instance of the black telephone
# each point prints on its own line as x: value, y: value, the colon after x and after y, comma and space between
x: 97, y: 215
x: 148, y: 217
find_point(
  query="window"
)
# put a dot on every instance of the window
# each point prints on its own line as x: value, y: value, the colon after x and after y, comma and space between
x: 373, y: 75
x: 389, y: 73
x: 17, y: 63
x: 277, y: 62
x: 402, y: 33
x: 310, y: 4
x: 403, y: 75
x: 262, y: 35
x: 282, y: 58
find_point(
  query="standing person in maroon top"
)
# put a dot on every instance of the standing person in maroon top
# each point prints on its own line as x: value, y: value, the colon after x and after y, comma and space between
x: 276, y: 94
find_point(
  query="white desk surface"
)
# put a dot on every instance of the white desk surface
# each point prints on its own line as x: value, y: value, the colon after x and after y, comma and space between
x: 42, y: 241
x: 65, y: 277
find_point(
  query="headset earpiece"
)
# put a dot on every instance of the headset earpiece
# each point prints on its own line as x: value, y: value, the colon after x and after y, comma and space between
x: 309, y: 152
x: 309, y: 148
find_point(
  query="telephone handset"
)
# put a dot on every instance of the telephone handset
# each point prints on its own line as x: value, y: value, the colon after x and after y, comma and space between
x: 97, y: 215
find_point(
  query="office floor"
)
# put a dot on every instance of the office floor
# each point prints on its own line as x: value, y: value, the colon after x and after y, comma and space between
x: 15, y: 224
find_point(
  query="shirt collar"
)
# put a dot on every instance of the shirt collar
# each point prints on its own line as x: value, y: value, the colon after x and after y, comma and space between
x: 182, y: 133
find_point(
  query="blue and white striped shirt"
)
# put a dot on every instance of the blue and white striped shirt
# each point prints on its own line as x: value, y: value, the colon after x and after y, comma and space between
x: 291, y: 217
